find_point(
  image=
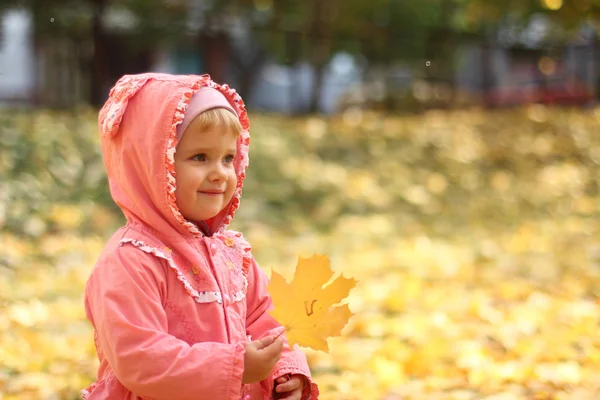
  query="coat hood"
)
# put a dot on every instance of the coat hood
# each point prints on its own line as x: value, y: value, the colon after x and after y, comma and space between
x: 138, y: 127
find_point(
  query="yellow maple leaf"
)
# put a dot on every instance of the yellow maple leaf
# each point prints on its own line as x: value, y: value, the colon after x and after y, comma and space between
x: 306, y: 307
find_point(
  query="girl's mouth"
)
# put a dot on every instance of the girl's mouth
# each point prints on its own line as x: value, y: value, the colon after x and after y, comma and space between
x: 211, y: 193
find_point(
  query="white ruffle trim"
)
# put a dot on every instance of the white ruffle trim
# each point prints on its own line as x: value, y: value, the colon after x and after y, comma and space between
x: 200, y: 297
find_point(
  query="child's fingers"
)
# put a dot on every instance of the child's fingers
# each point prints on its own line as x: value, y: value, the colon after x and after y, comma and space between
x: 278, y: 331
x: 288, y: 386
x: 282, y: 379
x: 268, y: 340
x: 297, y: 395
x: 264, y: 342
x: 273, y: 351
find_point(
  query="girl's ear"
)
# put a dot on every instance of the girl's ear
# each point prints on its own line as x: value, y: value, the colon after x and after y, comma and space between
x: 111, y: 114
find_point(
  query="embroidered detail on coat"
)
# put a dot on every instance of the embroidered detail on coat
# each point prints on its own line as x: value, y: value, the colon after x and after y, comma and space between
x: 235, y: 242
x: 200, y: 297
x: 176, y: 311
x: 195, y: 269
x: 246, y: 260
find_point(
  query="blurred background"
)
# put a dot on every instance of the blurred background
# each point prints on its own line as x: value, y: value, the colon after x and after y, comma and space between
x: 443, y: 152
x: 301, y: 57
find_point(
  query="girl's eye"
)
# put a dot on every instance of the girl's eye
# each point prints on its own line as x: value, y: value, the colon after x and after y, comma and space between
x: 229, y: 158
x: 199, y: 157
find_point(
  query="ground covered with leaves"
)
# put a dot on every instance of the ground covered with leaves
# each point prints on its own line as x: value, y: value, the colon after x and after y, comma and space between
x: 474, y: 235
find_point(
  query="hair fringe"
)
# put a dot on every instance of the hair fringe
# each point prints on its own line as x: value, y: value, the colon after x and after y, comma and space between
x: 218, y: 117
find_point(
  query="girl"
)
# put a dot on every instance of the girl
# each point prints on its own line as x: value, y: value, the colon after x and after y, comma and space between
x: 178, y: 303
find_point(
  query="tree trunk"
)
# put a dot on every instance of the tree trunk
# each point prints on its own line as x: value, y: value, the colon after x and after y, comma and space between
x: 593, y: 68
x: 317, y: 85
x: 37, y: 49
x: 248, y: 68
x: 486, y: 81
x: 216, y: 51
x: 99, y: 77
x: 320, y: 32
x: 293, y: 56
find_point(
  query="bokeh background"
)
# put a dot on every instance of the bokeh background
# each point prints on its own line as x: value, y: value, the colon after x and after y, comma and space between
x: 443, y: 152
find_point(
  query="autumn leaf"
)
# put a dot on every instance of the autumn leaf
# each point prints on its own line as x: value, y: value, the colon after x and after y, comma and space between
x: 306, y: 307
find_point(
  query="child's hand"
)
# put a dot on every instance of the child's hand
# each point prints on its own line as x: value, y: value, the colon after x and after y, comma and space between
x: 289, y: 388
x: 260, y: 358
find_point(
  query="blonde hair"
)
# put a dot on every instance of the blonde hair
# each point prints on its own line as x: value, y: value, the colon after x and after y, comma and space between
x: 220, y: 117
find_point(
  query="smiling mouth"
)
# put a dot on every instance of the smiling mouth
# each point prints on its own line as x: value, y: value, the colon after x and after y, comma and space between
x: 212, y: 193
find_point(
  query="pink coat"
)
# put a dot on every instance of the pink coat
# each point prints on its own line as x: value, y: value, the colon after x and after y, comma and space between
x: 172, y: 307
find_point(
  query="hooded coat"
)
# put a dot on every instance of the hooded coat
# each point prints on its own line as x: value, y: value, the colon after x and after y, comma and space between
x: 171, y: 305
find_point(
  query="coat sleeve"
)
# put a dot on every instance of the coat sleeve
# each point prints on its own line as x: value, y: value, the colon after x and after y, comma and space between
x: 259, y: 324
x: 123, y: 302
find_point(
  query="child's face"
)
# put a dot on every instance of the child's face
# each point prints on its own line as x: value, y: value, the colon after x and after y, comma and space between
x: 204, y: 172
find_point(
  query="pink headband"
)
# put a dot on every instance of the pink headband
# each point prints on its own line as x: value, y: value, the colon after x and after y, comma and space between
x: 205, y: 99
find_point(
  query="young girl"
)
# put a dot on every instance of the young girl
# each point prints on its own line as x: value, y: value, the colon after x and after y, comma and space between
x: 178, y: 303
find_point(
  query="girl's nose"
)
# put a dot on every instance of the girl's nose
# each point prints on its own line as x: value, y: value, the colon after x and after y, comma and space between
x: 218, y: 172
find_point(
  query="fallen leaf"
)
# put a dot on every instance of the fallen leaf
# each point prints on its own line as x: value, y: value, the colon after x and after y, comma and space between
x: 306, y: 307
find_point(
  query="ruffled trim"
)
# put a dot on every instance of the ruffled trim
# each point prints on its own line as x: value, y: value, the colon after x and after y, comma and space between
x: 170, y: 160
x: 199, y: 297
x: 85, y: 393
x: 241, y: 162
x: 240, y: 295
